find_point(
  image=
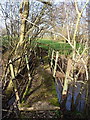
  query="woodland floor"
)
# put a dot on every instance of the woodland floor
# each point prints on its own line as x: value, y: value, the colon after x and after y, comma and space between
x: 44, y: 97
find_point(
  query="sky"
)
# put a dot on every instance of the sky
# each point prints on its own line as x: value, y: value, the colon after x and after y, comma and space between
x: 45, y: 0
x: 56, y: 1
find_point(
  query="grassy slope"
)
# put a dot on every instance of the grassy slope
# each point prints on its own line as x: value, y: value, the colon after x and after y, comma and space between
x: 63, y: 48
x: 45, y: 92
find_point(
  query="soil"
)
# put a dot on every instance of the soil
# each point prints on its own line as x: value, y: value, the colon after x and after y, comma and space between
x: 43, y: 88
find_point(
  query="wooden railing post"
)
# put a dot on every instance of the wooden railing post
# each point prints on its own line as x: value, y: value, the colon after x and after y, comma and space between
x: 65, y: 87
x: 52, y: 59
x: 56, y: 60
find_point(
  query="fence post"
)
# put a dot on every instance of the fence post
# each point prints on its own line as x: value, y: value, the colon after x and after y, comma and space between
x: 55, y: 68
x: 65, y: 87
x: 52, y: 59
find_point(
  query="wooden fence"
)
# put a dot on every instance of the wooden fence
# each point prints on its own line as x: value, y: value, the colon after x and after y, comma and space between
x: 64, y: 75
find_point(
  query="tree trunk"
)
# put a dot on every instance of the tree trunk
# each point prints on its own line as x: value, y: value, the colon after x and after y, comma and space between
x: 24, y: 13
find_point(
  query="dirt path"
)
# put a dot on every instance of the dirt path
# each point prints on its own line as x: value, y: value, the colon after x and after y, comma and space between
x: 43, y: 88
x: 43, y: 101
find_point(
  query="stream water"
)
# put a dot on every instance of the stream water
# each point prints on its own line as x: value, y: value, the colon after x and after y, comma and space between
x: 81, y: 98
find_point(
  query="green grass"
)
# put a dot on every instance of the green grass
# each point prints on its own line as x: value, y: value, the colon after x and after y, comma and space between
x: 6, y: 42
x: 63, y: 48
x: 54, y: 45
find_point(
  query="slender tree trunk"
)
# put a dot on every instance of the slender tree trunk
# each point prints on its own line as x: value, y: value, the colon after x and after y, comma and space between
x: 24, y: 13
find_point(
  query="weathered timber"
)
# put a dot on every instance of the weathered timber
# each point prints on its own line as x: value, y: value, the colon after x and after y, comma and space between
x: 33, y: 109
x: 69, y: 67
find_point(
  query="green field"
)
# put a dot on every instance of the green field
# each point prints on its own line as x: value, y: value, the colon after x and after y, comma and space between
x: 54, y: 45
x: 63, y: 48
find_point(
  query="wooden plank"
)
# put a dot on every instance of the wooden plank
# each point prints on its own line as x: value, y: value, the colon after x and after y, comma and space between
x: 55, y: 68
x: 38, y: 109
x: 69, y: 67
x: 52, y: 59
